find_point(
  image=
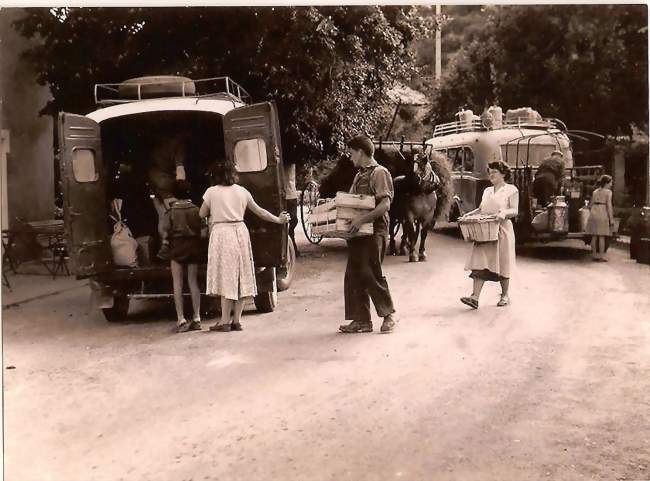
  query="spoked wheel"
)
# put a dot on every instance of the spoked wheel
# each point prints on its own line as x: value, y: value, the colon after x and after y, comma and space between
x: 308, y: 200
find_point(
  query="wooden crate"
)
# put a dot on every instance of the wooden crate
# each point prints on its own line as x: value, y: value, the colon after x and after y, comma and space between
x: 332, y: 217
x: 355, y: 201
x: 479, y: 228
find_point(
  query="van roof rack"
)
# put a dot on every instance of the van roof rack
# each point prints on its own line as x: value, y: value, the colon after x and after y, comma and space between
x: 476, y: 125
x: 111, y: 94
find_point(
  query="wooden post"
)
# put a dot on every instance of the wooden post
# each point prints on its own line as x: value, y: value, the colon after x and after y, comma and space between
x: 438, y: 68
x: 5, y: 147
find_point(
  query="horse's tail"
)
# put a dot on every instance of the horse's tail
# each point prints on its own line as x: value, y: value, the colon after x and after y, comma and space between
x: 444, y: 190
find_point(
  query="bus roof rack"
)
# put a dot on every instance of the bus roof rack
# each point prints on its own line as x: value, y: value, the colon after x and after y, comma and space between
x: 476, y: 125
x: 165, y: 87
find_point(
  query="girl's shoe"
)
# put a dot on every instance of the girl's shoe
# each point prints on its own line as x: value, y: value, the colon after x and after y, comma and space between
x: 504, y: 301
x: 195, y: 325
x: 220, y: 328
x: 182, y: 326
x: 470, y: 301
x: 236, y: 326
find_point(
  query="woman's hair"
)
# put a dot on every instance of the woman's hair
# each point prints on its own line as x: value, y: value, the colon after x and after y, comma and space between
x: 603, y: 180
x: 501, y: 167
x: 223, y: 172
x: 182, y: 189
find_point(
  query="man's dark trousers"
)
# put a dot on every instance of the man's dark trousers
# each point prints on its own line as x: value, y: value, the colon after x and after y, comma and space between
x: 364, y: 279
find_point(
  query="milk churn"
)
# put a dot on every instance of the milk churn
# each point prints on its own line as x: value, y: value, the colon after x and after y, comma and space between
x: 558, y: 215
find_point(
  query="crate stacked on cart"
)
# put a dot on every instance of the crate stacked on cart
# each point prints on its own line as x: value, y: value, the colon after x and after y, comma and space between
x: 333, y: 217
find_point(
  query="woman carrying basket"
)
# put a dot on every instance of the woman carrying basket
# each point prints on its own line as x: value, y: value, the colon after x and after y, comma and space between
x: 495, y: 261
x: 231, y: 272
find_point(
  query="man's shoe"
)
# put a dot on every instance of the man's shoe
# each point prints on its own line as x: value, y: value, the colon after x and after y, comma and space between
x: 356, y: 327
x: 388, y: 325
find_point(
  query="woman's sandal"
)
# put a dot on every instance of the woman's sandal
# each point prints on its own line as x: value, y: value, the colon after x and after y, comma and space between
x: 220, y: 328
x: 195, y: 326
x: 504, y: 301
x: 236, y: 326
x: 470, y: 301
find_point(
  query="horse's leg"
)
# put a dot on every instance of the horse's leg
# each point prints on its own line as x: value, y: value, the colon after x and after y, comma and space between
x: 404, y: 241
x: 412, y: 256
x: 428, y: 223
x: 392, y: 227
x: 410, y: 235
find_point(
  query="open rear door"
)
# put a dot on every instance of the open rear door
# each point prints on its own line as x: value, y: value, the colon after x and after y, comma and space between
x: 252, y: 142
x: 84, y: 195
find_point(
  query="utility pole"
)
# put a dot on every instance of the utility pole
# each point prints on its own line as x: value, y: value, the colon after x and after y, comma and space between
x: 438, y: 68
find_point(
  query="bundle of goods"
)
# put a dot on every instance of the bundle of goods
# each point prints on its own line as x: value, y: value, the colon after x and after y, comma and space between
x: 479, y: 228
x: 333, y: 217
x: 523, y: 115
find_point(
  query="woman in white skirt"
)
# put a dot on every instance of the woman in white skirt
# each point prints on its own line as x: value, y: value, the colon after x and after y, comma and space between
x: 231, y: 272
x: 495, y: 261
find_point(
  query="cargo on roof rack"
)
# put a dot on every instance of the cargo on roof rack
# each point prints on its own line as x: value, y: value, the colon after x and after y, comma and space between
x: 142, y: 88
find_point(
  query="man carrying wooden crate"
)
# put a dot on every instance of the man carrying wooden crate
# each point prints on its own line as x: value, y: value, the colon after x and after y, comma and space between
x: 364, y: 279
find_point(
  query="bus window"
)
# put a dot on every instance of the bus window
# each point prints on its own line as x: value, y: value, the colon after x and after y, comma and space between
x: 468, y: 160
x: 455, y: 157
x: 534, y: 153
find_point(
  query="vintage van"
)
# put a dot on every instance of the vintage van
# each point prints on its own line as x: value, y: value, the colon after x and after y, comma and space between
x: 106, y: 154
x: 523, y: 139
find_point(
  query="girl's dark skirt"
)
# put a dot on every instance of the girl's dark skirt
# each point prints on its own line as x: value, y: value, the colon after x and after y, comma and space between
x: 187, y: 250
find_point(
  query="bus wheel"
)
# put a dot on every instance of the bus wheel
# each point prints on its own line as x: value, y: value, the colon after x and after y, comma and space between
x: 119, y: 311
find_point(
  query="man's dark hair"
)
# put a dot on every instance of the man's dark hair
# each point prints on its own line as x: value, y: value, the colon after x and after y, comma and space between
x: 361, y: 142
x: 182, y: 189
x: 223, y: 172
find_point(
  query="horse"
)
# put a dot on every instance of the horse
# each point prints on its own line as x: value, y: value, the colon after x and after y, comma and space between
x: 417, y: 205
x: 412, y: 208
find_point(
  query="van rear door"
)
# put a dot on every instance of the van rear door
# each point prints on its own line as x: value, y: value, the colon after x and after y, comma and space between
x: 252, y: 143
x: 84, y: 195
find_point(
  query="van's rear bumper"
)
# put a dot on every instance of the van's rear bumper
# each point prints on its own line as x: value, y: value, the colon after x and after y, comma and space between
x: 154, y: 282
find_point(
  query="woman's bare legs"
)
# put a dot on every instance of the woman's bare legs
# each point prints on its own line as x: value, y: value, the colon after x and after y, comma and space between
x: 226, y: 310
x: 192, y: 280
x: 478, y: 287
x: 177, y: 278
x: 505, y: 285
x: 594, y: 247
x: 601, y: 246
x: 239, y: 308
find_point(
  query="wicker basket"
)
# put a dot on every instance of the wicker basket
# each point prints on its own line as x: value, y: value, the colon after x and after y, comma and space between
x: 479, y: 228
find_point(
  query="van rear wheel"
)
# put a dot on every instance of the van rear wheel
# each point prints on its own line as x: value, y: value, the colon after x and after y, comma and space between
x: 285, y: 274
x: 119, y: 311
x: 267, y: 301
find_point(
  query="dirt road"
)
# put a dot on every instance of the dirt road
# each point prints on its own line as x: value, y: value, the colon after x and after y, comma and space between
x: 555, y: 386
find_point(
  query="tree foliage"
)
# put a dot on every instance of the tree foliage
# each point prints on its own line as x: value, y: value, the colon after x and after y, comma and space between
x: 584, y: 64
x: 328, y: 68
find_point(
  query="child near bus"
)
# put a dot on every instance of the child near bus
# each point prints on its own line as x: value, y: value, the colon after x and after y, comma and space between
x: 185, y: 252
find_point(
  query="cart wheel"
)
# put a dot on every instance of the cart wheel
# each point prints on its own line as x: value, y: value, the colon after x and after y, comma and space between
x: 285, y: 275
x: 119, y: 311
x: 308, y: 200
